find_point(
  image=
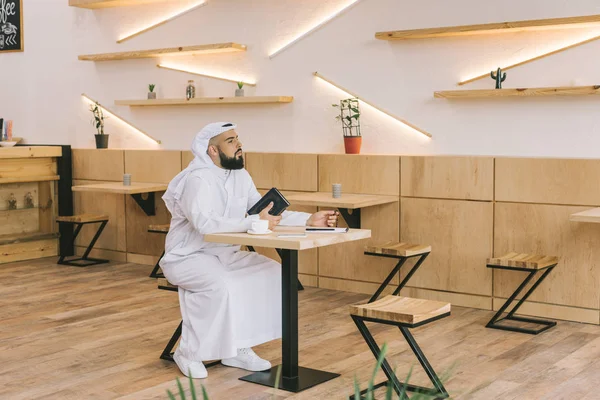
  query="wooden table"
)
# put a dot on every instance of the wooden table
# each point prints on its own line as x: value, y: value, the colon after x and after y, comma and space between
x: 592, y: 215
x: 142, y: 193
x: 293, y: 377
x: 345, y: 203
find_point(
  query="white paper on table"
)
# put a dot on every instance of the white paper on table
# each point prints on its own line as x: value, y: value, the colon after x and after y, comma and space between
x: 326, y: 230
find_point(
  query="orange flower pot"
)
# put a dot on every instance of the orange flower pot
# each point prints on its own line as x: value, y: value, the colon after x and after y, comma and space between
x: 352, y: 144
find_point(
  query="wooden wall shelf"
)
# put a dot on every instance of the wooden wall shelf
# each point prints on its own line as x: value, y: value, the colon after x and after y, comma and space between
x: 94, y: 4
x: 206, y: 101
x: 486, y: 29
x: 519, y: 92
x: 172, y: 51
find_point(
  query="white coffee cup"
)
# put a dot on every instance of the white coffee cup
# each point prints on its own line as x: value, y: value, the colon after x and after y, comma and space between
x: 260, y: 226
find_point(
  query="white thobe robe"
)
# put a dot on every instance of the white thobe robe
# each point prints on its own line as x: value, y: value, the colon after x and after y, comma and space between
x: 229, y: 299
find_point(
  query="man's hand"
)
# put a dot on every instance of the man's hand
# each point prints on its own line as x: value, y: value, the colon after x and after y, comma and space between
x: 323, y: 219
x: 273, y: 219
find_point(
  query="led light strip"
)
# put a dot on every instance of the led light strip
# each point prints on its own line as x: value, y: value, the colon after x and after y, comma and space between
x: 533, y: 59
x: 313, y: 29
x: 381, y: 110
x: 178, y: 69
x: 92, y: 101
x: 162, y: 22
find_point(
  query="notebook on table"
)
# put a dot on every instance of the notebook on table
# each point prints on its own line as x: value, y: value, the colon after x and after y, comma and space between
x: 280, y: 203
x: 315, y: 229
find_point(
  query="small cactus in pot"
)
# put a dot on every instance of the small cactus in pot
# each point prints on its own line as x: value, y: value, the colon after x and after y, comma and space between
x: 239, y: 92
x: 151, y: 93
x: 499, y: 76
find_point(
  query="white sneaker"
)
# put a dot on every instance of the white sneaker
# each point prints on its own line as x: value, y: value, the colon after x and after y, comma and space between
x: 248, y: 360
x: 196, y: 369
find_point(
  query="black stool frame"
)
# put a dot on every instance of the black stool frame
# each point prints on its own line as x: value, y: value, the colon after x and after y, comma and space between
x: 154, y: 273
x: 167, y: 353
x: 84, y: 261
x: 396, y: 270
x: 493, y: 323
x: 439, y: 391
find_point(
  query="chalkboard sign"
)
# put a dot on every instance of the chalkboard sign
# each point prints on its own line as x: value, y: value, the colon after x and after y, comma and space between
x: 11, y: 25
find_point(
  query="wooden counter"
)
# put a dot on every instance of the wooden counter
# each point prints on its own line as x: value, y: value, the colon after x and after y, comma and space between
x: 28, y: 202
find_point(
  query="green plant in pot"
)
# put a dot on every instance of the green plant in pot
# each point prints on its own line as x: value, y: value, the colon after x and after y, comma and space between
x: 350, y: 117
x: 151, y: 93
x: 239, y: 92
x: 98, y: 122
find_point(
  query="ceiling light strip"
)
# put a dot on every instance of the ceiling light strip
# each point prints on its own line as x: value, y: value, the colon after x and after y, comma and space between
x: 314, y: 29
x: 120, y: 118
x: 204, y: 75
x: 171, y: 18
x: 416, y: 128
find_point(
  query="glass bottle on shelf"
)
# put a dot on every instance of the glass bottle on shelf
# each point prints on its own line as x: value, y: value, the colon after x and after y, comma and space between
x: 190, y: 91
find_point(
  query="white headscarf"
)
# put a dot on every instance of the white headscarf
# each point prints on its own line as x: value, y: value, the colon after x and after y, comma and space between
x: 201, y: 160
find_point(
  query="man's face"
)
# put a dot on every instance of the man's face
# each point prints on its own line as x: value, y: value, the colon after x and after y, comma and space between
x: 230, y: 150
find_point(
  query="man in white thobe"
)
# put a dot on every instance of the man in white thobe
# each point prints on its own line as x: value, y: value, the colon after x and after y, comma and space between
x: 230, y: 300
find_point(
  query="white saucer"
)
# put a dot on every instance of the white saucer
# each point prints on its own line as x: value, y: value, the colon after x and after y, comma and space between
x: 250, y: 231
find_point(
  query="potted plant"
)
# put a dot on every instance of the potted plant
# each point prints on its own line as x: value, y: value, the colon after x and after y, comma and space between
x: 239, y: 92
x: 98, y: 122
x: 151, y: 94
x: 350, y: 117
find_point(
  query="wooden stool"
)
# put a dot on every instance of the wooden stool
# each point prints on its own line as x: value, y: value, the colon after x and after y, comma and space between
x: 403, y: 312
x: 167, y: 353
x: 79, y: 221
x: 164, y: 229
x: 402, y: 252
x: 528, y: 263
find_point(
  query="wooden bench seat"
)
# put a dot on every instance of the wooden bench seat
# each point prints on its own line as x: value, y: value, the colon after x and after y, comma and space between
x: 405, y: 313
x: 404, y: 310
x: 164, y: 228
x: 521, y: 260
x: 398, y: 249
x: 83, y: 218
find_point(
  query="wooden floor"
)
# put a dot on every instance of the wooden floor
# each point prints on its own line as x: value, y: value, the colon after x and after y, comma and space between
x: 96, y: 333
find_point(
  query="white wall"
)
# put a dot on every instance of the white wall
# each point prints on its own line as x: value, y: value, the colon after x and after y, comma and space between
x: 40, y: 88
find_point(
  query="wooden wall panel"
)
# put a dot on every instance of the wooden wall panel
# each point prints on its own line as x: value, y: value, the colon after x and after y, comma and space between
x: 460, y: 234
x: 154, y: 166
x: 186, y: 159
x: 284, y: 171
x: 456, y: 299
x: 468, y: 178
x: 553, y: 311
x: 360, y: 174
x: 113, y: 237
x: 98, y: 165
x: 347, y: 260
x: 139, y: 240
x: 27, y: 167
x: 546, y: 229
x: 548, y: 181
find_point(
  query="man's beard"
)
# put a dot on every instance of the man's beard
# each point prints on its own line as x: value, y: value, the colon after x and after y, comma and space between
x: 230, y: 162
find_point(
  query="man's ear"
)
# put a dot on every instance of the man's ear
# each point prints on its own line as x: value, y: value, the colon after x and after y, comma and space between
x: 212, y: 150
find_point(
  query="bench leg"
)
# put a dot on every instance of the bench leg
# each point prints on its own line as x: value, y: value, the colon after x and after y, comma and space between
x: 493, y: 323
x: 410, y: 274
x: 388, y: 279
x: 439, y: 392
x: 154, y: 273
x: 85, y: 260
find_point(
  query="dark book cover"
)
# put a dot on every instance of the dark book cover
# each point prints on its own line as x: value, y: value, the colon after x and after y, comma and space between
x: 280, y: 203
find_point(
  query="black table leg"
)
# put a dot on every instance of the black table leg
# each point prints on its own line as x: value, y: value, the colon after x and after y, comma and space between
x: 293, y: 377
x: 147, y: 204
